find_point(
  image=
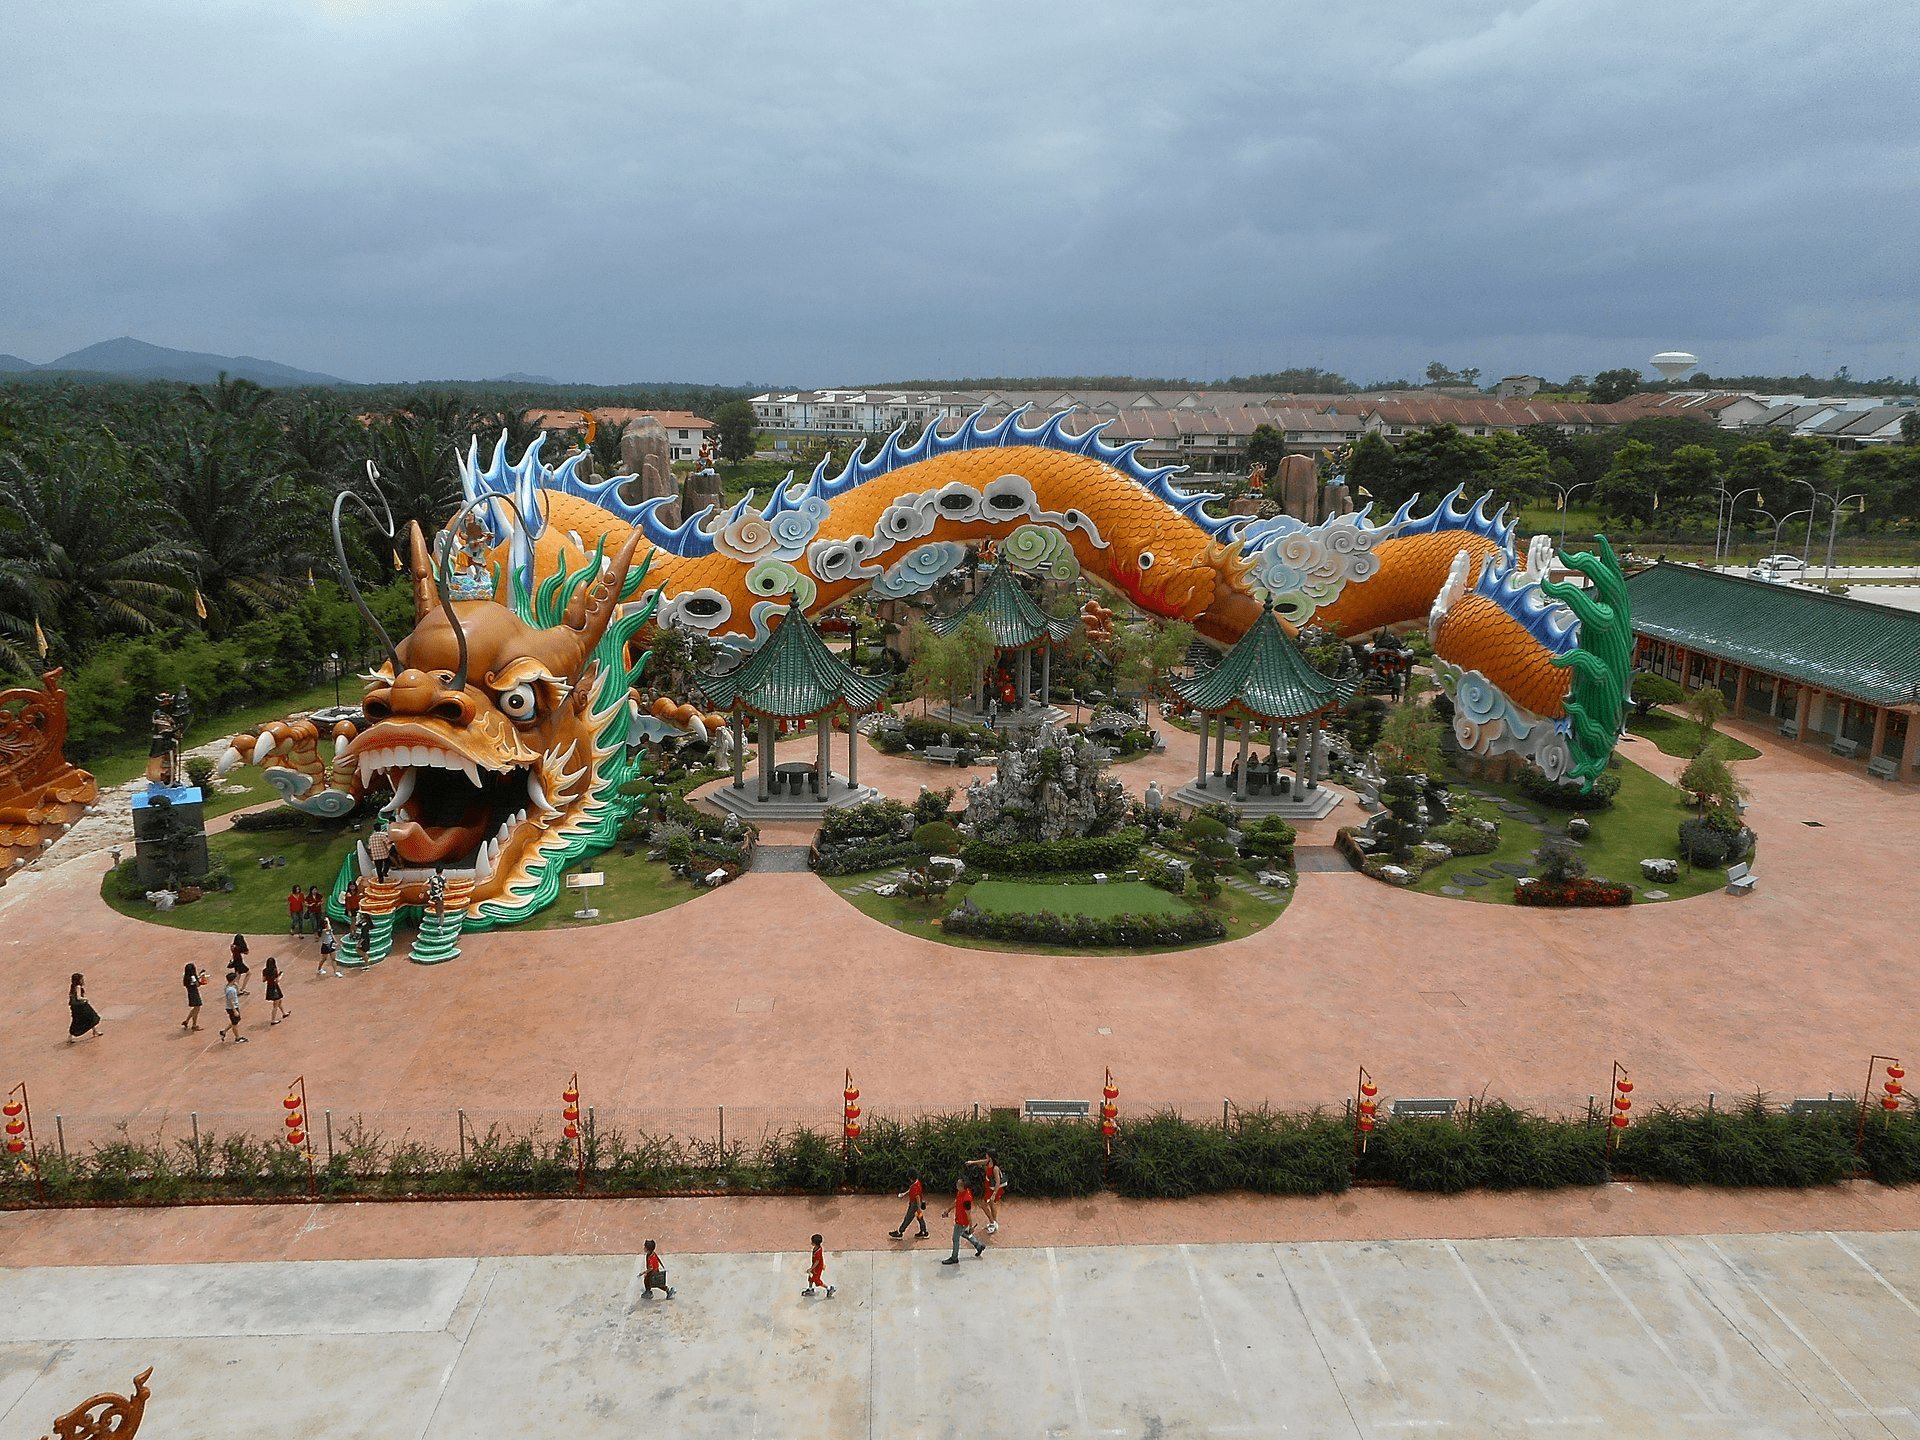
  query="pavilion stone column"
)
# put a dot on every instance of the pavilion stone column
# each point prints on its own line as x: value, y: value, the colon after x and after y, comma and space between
x: 1204, y: 719
x: 739, y: 750
x: 1273, y: 746
x: 1022, y: 679
x: 1312, y: 746
x: 1300, y: 759
x: 1740, y: 693
x: 1910, y: 752
x: 853, y: 751
x: 1220, y: 745
x: 1046, y: 672
x: 1879, y: 731
x: 1240, y: 786
x: 825, y: 763
x: 1803, y: 716
x: 765, y: 766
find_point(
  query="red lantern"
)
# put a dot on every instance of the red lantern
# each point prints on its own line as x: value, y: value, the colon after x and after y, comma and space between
x: 1619, y: 1122
x: 1889, y: 1103
x: 852, y: 1093
x: 1109, y: 1110
x: 1892, y: 1087
x: 292, y: 1102
x: 1110, y: 1092
x: 1109, y: 1129
x: 853, y: 1129
x: 571, y: 1094
x: 572, y: 1112
x: 16, y: 1127
x: 12, y: 1107
x: 296, y: 1137
x: 1621, y: 1103
x: 1894, y: 1072
x: 572, y: 1132
x: 1368, y: 1088
x: 1625, y: 1087
x: 293, y: 1121
x: 16, y: 1146
x: 853, y: 1112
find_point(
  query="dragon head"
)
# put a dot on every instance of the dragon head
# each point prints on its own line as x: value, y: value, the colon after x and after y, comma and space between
x: 502, y: 739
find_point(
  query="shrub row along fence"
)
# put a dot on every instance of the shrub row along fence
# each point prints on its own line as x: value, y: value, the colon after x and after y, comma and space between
x: 1155, y: 1154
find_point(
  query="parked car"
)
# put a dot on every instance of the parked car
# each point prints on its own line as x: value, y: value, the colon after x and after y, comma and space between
x: 1781, y: 562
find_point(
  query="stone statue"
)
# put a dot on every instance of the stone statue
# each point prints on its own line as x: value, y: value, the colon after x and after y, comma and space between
x: 1153, y: 798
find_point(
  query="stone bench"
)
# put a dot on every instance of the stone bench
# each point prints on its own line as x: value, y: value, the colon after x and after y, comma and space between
x: 1741, y: 879
x: 1790, y: 729
x: 1845, y: 749
x: 1423, y: 1109
x: 1884, y: 767
x: 942, y: 754
x: 1058, y: 1109
x: 1809, y: 1106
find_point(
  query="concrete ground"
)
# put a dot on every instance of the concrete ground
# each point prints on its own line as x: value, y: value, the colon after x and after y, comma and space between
x: 1699, y: 1336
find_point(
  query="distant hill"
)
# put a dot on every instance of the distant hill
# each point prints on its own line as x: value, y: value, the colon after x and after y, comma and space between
x: 137, y: 360
x: 11, y: 363
x: 520, y: 377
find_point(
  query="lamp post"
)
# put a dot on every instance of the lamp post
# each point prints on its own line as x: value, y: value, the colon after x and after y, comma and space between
x: 1833, y: 524
x: 1566, y: 493
x: 1783, y: 520
x: 334, y: 655
x: 1733, y: 507
x: 1814, y: 497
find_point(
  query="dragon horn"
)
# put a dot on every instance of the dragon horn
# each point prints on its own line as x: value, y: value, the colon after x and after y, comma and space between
x: 592, y: 606
x: 425, y: 600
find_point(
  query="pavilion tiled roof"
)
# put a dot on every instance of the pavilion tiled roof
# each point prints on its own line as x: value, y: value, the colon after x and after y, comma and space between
x: 1835, y: 643
x: 1011, y: 617
x: 793, y: 676
x: 1264, y: 677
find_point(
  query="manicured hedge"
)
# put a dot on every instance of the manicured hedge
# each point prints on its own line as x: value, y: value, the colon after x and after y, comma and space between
x: 1542, y: 791
x: 1118, y: 851
x: 1047, y: 928
x: 855, y: 856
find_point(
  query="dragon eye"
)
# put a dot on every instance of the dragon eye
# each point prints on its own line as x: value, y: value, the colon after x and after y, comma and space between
x: 518, y: 703
x: 1146, y: 559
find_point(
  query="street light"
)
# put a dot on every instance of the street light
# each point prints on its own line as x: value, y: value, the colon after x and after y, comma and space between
x: 334, y: 655
x: 1566, y: 493
x: 1732, y: 508
x: 1813, y: 503
x: 1783, y: 520
x: 1833, y: 524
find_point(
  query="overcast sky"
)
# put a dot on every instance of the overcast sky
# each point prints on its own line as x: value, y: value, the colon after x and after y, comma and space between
x: 813, y: 194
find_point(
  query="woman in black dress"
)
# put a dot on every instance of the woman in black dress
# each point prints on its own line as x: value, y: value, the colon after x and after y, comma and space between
x: 85, y: 1017
x: 193, y: 980
x: 238, y: 964
x: 272, y: 976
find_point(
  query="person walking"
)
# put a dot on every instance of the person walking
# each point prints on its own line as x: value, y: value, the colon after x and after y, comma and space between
x: 272, y: 976
x: 237, y: 961
x: 437, y: 895
x: 962, y: 1212
x: 328, y: 944
x: 233, y: 1013
x: 817, y: 1272
x: 316, y: 908
x: 380, y: 849
x: 916, y: 1210
x: 656, y: 1275
x: 296, y: 909
x: 993, y: 1187
x: 193, y: 980
x: 362, y: 940
x: 350, y: 902
x: 83, y: 1018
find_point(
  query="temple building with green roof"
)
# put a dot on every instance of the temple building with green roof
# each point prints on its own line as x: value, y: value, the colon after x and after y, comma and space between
x: 1263, y: 682
x: 794, y: 678
x: 1020, y: 629
x: 1823, y: 669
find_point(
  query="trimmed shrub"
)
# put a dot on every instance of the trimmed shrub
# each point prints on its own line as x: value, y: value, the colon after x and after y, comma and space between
x: 1751, y: 1144
x: 1651, y: 690
x: 281, y: 817
x: 876, y: 817
x: 937, y: 837
x: 1706, y: 844
x: 809, y: 1161
x: 1464, y: 839
x: 1168, y: 1157
x: 1090, y: 931
x: 1542, y: 791
x: 1890, y: 1148
x: 1309, y: 1154
x: 1033, y: 857
x: 858, y: 855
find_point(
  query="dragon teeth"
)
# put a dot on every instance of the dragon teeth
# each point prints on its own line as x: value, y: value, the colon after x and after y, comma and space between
x: 537, y: 795
x: 482, y: 866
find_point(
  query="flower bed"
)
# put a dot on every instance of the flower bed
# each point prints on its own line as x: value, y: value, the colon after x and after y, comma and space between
x: 1560, y: 894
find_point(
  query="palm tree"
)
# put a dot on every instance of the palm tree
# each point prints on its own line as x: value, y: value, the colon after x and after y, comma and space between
x: 242, y: 397
x: 417, y: 470
x: 85, y: 551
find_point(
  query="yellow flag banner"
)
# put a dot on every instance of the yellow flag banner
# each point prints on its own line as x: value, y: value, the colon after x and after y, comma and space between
x: 40, y: 639
x: 199, y: 604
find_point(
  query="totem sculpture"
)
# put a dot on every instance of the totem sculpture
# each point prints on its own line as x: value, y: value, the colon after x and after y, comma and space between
x: 106, y: 1416
x: 41, y: 795
x: 503, y: 727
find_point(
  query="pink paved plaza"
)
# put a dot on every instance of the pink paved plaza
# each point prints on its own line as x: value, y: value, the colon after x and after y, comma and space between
x: 759, y: 995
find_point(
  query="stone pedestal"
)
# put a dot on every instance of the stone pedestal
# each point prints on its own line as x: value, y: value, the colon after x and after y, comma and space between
x: 1296, y: 805
x: 169, y: 820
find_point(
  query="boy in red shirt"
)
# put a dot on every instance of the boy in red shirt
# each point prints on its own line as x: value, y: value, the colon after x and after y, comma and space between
x: 817, y: 1276
x: 296, y: 907
x: 962, y: 1212
x: 916, y: 1210
x: 656, y: 1275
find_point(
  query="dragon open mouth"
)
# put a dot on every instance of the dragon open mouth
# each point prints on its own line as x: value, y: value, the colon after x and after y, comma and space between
x: 448, y: 811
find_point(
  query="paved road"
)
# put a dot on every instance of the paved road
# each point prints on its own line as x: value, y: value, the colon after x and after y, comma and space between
x: 1781, y: 1335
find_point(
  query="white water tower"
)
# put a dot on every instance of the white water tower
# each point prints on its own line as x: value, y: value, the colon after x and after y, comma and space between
x: 1672, y: 364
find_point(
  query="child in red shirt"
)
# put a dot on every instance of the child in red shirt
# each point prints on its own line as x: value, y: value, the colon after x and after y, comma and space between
x: 962, y: 1212
x: 916, y: 1210
x: 656, y: 1275
x: 296, y: 906
x: 817, y: 1276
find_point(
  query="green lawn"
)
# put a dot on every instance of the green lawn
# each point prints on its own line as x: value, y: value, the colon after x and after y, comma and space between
x: 1243, y: 914
x: 1644, y: 823
x: 1124, y: 897
x: 1680, y: 737
x: 635, y: 886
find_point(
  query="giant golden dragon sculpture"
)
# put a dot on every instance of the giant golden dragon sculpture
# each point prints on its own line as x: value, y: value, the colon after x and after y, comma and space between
x: 501, y: 723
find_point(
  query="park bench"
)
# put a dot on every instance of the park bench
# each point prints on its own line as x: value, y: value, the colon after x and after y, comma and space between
x: 1790, y: 729
x: 1741, y: 879
x: 1844, y: 748
x: 1423, y: 1109
x: 1883, y: 767
x: 1809, y: 1106
x: 1058, y: 1109
x: 942, y: 754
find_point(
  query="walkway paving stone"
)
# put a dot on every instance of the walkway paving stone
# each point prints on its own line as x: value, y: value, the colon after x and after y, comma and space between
x: 1464, y: 879
x: 1508, y: 867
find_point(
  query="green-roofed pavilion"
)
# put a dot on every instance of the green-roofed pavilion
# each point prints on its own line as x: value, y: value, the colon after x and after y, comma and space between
x: 1019, y: 628
x: 1824, y: 669
x: 1263, y: 682
x: 793, y: 678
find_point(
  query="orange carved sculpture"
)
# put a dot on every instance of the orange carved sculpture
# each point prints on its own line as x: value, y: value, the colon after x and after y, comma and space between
x: 40, y: 793
x: 106, y: 1416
